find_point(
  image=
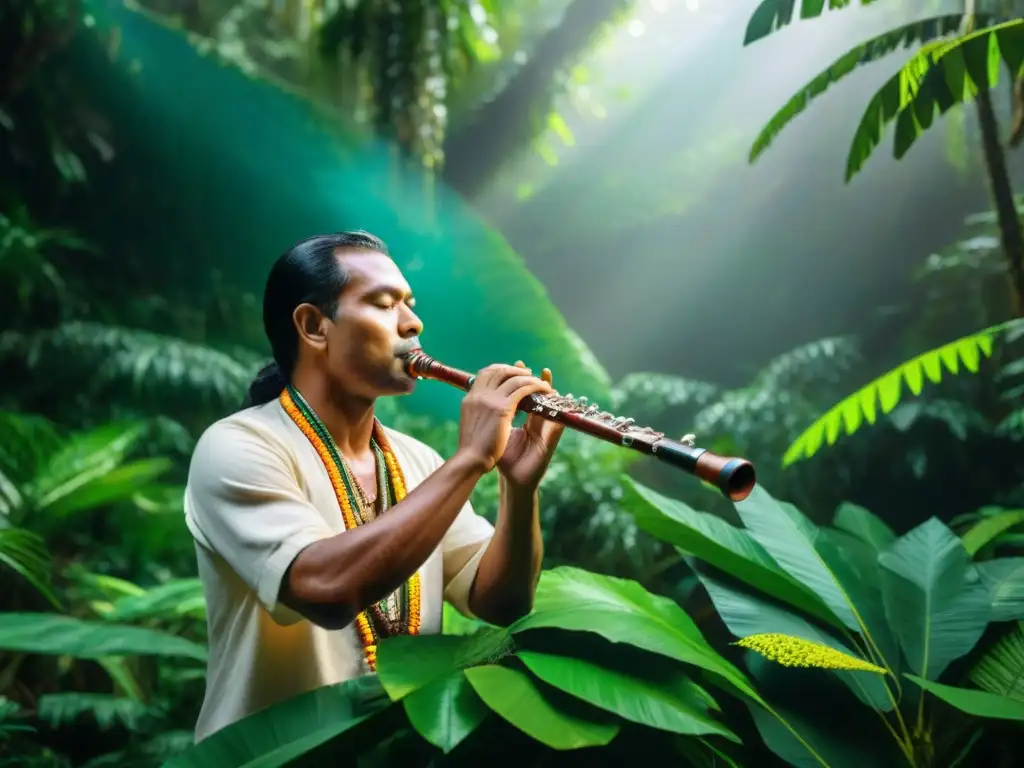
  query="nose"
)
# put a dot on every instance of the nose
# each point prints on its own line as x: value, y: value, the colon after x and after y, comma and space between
x: 409, y: 324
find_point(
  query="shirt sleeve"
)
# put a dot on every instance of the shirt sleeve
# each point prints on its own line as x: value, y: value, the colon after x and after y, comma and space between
x: 243, y: 501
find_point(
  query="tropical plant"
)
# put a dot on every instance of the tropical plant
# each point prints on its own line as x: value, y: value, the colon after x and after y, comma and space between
x: 598, y: 662
x: 956, y: 63
x: 883, y: 394
x: 910, y: 606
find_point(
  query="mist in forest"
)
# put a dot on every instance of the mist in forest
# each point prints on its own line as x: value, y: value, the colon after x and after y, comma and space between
x: 734, y: 263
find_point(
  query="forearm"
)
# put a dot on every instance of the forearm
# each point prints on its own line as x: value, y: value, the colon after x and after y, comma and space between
x: 334, y: 579
x: 506, y: 578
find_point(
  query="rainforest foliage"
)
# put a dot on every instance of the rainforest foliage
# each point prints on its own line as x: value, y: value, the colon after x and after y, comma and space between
x: 864, y: 606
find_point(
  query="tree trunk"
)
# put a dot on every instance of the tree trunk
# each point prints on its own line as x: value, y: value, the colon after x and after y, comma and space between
x: 504, y: 126
x: 1002, y: 196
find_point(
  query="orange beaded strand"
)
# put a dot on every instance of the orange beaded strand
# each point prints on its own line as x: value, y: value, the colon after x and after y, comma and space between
x: 362, y: 621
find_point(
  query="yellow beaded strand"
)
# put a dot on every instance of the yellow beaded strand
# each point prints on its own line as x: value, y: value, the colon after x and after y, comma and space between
x: 362, y: 621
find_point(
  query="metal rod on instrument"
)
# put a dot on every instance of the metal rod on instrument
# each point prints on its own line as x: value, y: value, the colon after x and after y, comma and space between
x: 734, y: 477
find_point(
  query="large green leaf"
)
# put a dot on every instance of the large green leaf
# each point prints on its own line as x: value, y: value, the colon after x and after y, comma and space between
x: 977, y: 703
x: 47, y: 633
x: 745, y: 614
x: 82, y: 459
x: 866, y: 526
x: 855, y: 563
x: 445, y: 711
x: 119, y: 484
x: 792, y: 540
x: 279, y: 735
x: 936, y: 610
x: 990, y: 528
x: 624, y: 612
x: 724, y: 546
x: 170, y: 599
x: 407, y: 663
x: 674, y: 704
x: 860, y: 55
x: 1004, y: 578
x: 884, y: 392
x: 512, y: 695
x: 803, y: 744
x: 943, y: 73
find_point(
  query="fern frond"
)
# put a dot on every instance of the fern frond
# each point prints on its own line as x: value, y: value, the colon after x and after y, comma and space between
x: 1001, y: 670
x: 809, y: 364
x: 25, y: 553
x: 883, y: 394
x: 659, y: 391
x: 58, y: 709
x: 140, y: 362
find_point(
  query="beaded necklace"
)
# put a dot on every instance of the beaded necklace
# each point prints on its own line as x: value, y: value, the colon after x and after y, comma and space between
x: 399, y: 612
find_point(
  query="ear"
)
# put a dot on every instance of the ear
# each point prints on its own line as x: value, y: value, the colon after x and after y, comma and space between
x: 310, y: 325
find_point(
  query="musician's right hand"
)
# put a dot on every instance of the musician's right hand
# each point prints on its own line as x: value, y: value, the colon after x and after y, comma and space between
x: 489, y: 408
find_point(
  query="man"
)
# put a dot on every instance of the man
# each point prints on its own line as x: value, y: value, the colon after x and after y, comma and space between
x: 319, y: 532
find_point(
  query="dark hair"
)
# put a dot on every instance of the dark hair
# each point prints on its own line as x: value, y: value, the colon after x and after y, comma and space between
x: 308, y: 273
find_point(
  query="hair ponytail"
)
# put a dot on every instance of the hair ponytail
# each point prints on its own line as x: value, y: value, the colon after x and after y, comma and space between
x: 267, y: 386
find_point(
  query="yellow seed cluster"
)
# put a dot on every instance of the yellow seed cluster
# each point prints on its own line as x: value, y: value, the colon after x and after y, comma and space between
x: 363, y: 627
x: 797, y: 652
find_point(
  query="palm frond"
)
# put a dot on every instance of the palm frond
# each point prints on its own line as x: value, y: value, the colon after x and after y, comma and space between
x: 942, y: 74
x: 772, y: 15
x: 865, y: 53
x: 1001, y: 670
x: 884, y: 392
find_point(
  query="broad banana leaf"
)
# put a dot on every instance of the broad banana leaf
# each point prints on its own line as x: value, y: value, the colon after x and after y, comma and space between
x: 264, y: 168
x: 280, y: 735
x: 716, y: 542
x: 936, y: 606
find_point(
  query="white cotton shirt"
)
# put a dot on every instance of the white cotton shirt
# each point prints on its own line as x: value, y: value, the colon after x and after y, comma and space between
x: 257, y: 494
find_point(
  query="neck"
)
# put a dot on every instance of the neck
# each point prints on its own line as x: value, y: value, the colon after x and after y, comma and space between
x: 348, y: 418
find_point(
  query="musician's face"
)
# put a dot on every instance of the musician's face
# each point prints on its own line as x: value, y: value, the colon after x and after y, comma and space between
x: 374, y: 324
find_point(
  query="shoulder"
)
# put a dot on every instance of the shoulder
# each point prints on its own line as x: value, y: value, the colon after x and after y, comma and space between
x: 241, y: 442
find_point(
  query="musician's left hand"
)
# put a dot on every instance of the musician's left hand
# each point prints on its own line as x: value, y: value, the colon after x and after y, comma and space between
x: 530, y: 448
